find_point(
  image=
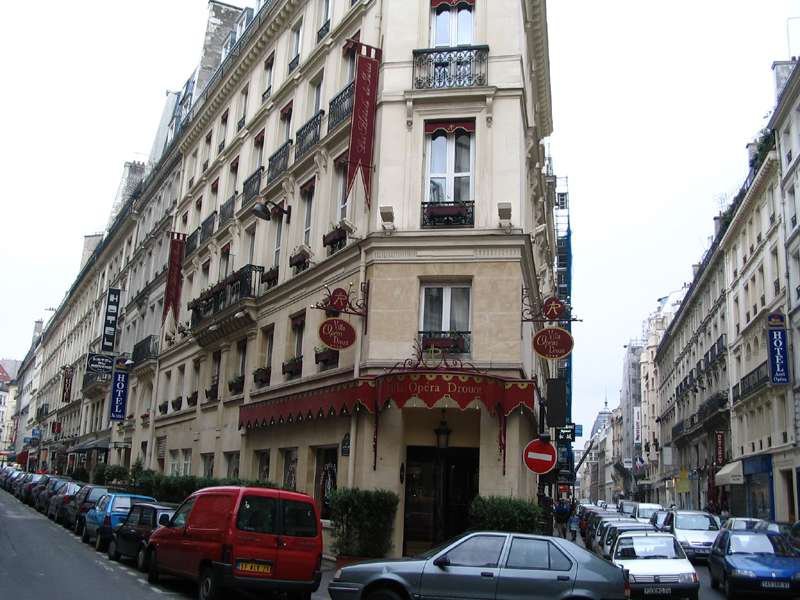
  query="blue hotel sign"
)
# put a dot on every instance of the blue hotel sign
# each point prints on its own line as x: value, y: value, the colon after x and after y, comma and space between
x: 778, y: 349
x: 119, y: 391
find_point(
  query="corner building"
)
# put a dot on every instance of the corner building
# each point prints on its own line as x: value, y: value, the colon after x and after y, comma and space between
x: 458, y: 226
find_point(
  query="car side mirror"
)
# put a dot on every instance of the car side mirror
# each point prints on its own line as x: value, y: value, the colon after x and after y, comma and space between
x: 163, y: 520
x: 442, y: 562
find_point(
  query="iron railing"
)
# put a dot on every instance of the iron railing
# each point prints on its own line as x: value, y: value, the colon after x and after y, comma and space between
x: 279, y: 162
x: 453, y: 342
x: 90, y: 379
x: 221, y: 147
x: 251, y: 187
x: 456, y: 67
x: 735, y: 394
x: 207, y: 228
x: 146, y: 349
x: 191, y: 242
x: 228, y: 292
x: 226, y: 210
x: 755, y: 379
x: 308, y: 135
x: 448, y: 214
x: 341, y: 106
x: 678, y: 429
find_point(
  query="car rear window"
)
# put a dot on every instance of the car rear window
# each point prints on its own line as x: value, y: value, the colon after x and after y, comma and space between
x: 96, y: 493
x: 121, y: 503
x: 299, y: 519
x: 258, y: 514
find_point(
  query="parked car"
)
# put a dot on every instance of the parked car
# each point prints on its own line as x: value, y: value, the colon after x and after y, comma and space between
x: 626, y: 507
x: 658, y: 517
x: 488, y: 564
x: 104, y: 517
x: 762, y: 563
x: 602, y: 526
x: 38, y: 488
x: 25, y: 489
x: 11, y: 478
x: 8, y: 475
x: 76, y: 509
x: 594, y: 522
x: 774, y: 526
x: 657, y: 565
x: 614, y: 532
x: 58, y: 503
x: 695, y: 531
x: 53, y: 487
x: 737, y: 523
x: 259, y: 539
x: 131, y: 537
x: 643, y: 511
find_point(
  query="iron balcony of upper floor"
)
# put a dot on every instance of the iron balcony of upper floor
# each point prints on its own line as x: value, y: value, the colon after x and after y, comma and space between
x: 751, y: 383
x: 229, y: 292
x: 451, y: 67
x: 145, y: 350
x: 448, y: 214
x: 450, y: 342
x: 94, y: 382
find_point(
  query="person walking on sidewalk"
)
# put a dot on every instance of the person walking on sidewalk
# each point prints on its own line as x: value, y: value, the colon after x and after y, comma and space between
x: 572, y: 525
x: 562, y: 513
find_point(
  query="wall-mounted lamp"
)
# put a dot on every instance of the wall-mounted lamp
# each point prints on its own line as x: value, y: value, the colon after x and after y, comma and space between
x: 268, y: 209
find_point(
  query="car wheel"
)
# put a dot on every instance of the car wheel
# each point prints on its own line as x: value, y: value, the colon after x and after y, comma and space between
x: 714, y: 580
x: 112, y: 550
x: 141, y: 559
x: 84, y: 534
x: 383, y: 594
x: 729, y: 593
x: 208, y: 588
x: 77, y: 527
x: 152, y: 567
x: 99, y: 543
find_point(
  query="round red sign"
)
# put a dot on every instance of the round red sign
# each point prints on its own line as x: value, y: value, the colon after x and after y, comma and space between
x: 339, y: 299
x: 337, y: 334
x: 553, y: 308
x: 553, y: 343
x: 539, y: 456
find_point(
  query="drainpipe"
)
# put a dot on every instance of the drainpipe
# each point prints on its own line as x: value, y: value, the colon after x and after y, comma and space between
x: 351, y: 463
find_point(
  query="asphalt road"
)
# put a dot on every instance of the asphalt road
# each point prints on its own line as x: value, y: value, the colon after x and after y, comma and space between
x: 39, y: 559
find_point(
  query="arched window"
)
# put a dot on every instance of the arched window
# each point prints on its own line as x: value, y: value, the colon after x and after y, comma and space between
x: 451, y: 23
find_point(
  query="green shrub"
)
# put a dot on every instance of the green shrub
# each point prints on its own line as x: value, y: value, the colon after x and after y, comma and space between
x: 99, y: 474
x: 176, y: 488
x: 116, y: 473
x: 363, y: 521
x: 496, y: 513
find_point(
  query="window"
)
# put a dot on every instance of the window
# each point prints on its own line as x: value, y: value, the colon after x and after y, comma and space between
x: 174, y: 463
x: 225, y: 262
x: 316, y: 94
x: 296, y: 40
x: 325, y: 479
x: 276, y: 254
x: 289, y: 468
x: 262, y: 463
x: 286, y: 119
x: 298, y: 329
x: 450, y: 150
x: 208, y: 464
x: 340, y: 193
x: 243, y: 104
x: 223, y: 130
x: 204, y: 273
x: 187, y: 462
x: 250, y: 244
x: 216, y: 358
x: 325, y: 12
x: 299, y: 519
x: 241, y: 352
x: 536, y: 554
x: 232, y: 465
x: 451, y: 26
x: 268, y: 72
x: 121, y: 504
x: 308, y: 201
x: 258, y: 514
x: 478, y: 551
x: 445, y: 308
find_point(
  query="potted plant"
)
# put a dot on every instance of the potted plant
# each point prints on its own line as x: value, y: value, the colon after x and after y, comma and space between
x: 300, y: 257
x: 236, y: 385
x: 325, y: 356
x: 335, y: 239
x: 129, y: 417
x: 212, y: 393
x: 145, y: 417
x: 162, y: 408
x: 362, y: 521
x: 261, y: 376
x: 293, y: 366
x: 270, y: 277
x: 191, y: 399
x: 177, y: 403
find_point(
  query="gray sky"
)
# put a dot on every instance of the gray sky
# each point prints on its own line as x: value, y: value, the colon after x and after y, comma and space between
x: 653, y: 104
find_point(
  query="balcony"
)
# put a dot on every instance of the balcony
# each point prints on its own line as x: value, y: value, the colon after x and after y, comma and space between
x: 294, y: 63
x: 228, y: 292
x: 755, y: 379
x: 323, y: 31
x: 735, y: 394
x: 207, y: 228
x: 93, y: 382
x: 448, y: 214
x: 191, y: 242
x: 145, y: 350
x: 456, y: 67
x: 251, y: 187
x: 279, y: 162
x: 226, y: 210
x: 308, y: 135
x: 341, y: 106
x: 452, y: 342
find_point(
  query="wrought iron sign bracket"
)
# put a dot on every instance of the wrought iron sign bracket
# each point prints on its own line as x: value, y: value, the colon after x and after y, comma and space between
x: 533, y: 312
x: 339, y: 301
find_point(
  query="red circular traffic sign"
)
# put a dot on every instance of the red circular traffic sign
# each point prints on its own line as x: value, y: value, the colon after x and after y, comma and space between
x: 539, y: 456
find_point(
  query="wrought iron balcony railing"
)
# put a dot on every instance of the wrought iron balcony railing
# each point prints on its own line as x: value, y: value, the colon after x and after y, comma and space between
x: 228, y: 292
x: 226, y: 210
x: 453, y: 342
x: 207, y: 228
x: 266, y: 94
x: 455, y: 67
x: 341, y: 106
x: 448, y: 214
x: 221, y: 147
x: 192, y: 241
x: 308, y: 135
x: 735, y: 394
x: 90, y: 379
x: 251, y: 187
x: 755, y: 379
x: 144, y: 350
x: 278, y: 162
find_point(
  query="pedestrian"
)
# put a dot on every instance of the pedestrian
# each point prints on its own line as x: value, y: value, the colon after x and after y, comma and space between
x: 561, y: 517
x: 572, y: 524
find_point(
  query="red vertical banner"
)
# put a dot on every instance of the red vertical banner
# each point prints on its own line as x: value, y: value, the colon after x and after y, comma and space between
x: 172, y: 294
x: 720, y: 448
x: 66, y: 385
x: 365, y: 104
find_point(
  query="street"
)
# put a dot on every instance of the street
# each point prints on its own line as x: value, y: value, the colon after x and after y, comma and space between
x: 39, y: 559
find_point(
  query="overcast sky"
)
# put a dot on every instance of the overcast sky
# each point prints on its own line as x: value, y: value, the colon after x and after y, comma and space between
x: 653, y: 103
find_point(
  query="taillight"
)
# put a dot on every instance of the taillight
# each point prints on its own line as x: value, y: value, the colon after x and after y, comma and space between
x: 107, y: 521
x: 84, y: 508
x: 227, y: 553
x: 67, y: 499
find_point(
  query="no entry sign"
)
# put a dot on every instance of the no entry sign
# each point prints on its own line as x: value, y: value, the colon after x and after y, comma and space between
x: 539, y: 456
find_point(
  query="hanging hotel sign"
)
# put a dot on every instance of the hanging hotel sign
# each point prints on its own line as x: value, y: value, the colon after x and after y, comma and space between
x: 110, y: 321
x: 553, y: 308
x: 337, y: 334
x: 66, y: 389
x: 101, y: 364
x: 553, y: 343
x: 778, y: 349
x: 172, y: 294
x: 119, y: 390
x: 637, y: 425
x: 719, y: 453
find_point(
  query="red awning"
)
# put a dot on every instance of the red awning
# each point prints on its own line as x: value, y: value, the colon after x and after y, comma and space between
x: 498, y: 395
x: 259, y: 139
x: 286, y: 112
x: 450, y: 126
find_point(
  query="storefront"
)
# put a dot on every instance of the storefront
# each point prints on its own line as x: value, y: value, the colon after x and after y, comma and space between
x: 758, y: 486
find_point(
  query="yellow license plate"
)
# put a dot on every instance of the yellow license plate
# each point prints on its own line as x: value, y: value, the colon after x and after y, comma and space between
x: 256, y: 568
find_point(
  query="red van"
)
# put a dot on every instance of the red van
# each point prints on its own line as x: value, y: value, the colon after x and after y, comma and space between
x: 256, y: 539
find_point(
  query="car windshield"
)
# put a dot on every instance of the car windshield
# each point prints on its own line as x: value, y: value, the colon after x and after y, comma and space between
x: 696, y: 522
x: 743, y: 524
x: 627, y: 508
x: 646, y: 513
x: 645, y: 547
x: 760, y: 543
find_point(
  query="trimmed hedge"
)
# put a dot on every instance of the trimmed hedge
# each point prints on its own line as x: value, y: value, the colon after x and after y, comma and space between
x: 496, y: 513
x: 175, y: 488
x: 363, y: 521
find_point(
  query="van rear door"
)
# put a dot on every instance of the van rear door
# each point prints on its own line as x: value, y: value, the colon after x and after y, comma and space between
x: 205, y: 530
x: 301, y: 547
x: 255, y: 536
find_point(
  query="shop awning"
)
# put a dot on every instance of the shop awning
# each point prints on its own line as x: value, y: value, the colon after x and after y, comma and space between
x: 101, y: 444
x: 730, y: 474
x: 498, y: 395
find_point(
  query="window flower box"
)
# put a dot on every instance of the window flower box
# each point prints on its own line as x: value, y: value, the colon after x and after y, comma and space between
x: 326, y: 356
x: 145, y: 417
x: 163, y: 407
x: 191, y: 399
x: 177, y: 403
x: 293, y: 367
x: 335, y: 239
x: 270, y: 277
x: 130, y: 418
x: 212, y: 393
x: 262, y: 376
x: 236, y: 385
x: 300, y: 257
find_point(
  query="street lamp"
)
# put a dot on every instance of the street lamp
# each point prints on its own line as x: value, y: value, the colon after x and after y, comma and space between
x: 442, y: 433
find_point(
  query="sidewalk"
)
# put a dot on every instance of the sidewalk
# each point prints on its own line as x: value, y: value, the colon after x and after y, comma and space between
x: 328, y: 569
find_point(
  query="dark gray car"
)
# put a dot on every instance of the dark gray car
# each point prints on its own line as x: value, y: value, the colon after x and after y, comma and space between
x: 480, y: 565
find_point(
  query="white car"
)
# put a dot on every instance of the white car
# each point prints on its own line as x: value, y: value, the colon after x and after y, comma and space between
x: 696, y: 531
x: 643, y: 511
x: 657, y: 565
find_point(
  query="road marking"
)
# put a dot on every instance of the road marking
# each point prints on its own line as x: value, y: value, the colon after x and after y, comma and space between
x: 540, y: 456
x: 141, y: 580
x: 156, y: 590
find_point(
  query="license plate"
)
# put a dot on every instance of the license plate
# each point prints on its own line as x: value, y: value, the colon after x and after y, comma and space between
x: 254, y: 567
x: 775, y: 585
x: 662, y: 591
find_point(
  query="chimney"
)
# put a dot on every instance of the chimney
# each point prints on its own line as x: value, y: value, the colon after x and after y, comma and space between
x: 695, y: 269
x: 782, y: 70
x: 717, y: 225
x: 37, y: 329
x: 752, y: 151
x: 90, y: 242
x: 221, y: 21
